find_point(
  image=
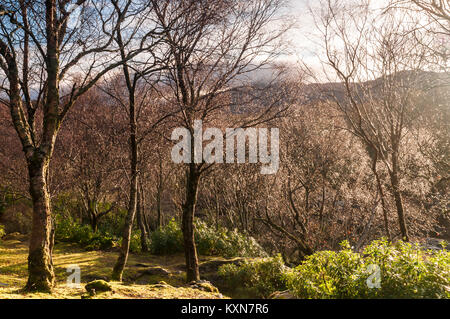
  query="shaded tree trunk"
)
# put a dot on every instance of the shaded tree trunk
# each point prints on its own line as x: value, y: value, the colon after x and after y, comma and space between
x: 383, y: 202
x: 190, y: 250
x: 94, y: 224
x: 94, y: 219
x: 144, y: 215
x: 141, y: 223
x: 158, y: 195
x: 399, y: 201
x: 158, y: 207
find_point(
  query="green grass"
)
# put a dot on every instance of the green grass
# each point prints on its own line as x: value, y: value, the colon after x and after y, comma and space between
x: 95, y: 264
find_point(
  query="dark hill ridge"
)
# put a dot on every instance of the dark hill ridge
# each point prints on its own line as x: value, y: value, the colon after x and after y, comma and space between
x: 431, y: 83
x: 421, y: 80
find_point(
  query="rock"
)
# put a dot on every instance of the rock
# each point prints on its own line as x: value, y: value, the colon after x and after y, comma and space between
x: 98, y: 286
x: 156, y: 271
x: 203, y: 285
x: 161, y: 284
x: 151, y: 275
x: 213, y: 265
x: 282, y: 295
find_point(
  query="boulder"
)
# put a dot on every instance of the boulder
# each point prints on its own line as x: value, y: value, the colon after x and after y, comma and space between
x: 213, y: 265
x: 98, y: 286
x: 203, y: 285
x: 151, y: 275
x: 156, y: 271
x: 161, y: 284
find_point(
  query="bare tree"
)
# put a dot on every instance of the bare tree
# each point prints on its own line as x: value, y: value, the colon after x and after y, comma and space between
x: 51, y: 53
x: 88, y: 156
x: 381, y: 70
x: 213, y: 46
x: 438, y: 9
x: 131, y: 84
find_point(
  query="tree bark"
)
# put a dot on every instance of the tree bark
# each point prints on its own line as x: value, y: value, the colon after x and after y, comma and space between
x: 158, y: 195
x: 126, y: 237
x: 93, y: 216
x: 144, y: 236
x: 383, y: 202
x: 40, y: 267
x: 190, y: 250
x: 399, y: 203
x: 125, y: 247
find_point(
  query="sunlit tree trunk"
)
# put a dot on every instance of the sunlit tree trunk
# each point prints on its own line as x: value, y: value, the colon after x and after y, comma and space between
x: 40, y: 268
x: 126, y: 237
x: 141, y: 223
x: 190, y: 251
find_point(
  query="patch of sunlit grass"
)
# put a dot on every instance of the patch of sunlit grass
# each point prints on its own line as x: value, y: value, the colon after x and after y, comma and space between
x: 94, y: 264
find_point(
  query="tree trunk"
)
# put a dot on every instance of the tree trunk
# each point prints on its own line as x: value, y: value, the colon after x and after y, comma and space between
x: 94, y: 224
x: 144, y: 236
x: 399, y: 203
x: 125, y: 247
x: 40, y: 267
x: 126, y: 237
x: 158, y: 209
x: 94, y: 219
x: 145, y: 221
x: 383, y: 202
x: 190, y: 250
x: 158, y: 194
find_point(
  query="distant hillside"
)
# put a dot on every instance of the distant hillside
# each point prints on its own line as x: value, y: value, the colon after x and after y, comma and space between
x: 427, y: 81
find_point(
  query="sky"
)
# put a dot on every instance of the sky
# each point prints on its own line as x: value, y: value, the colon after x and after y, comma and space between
x: 305, y: 39
x: 301, y: 35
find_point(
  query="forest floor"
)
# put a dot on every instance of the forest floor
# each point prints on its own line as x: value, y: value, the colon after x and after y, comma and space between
x: 98, y: 265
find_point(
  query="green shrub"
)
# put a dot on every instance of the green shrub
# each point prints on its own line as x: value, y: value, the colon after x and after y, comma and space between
x: 226, y: 243
x: 406, y: 271
x: 209, y: 241
x: 68, y: 230
x: 113, y: 222
x: 327, y: 274
x: 100, y: 242
x: 167, y: 239
x: 257, y: 278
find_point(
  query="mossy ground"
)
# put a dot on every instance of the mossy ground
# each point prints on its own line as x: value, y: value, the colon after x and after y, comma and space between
x: 95, y: 265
